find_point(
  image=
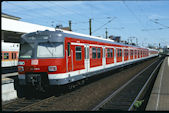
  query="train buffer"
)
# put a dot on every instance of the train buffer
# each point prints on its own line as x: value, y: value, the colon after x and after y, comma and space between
x: 159, y: 98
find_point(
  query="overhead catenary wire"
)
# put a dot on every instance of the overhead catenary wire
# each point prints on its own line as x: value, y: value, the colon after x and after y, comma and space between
x: 103, y: 25
x: 154, y: 29
x: 139, y: 21
x: 153, y: 22
x: 51, y: 11
x: 147, y: 30
x: 141, y: 9
x: 34, y: 15
x: 68, y: 9
x: 27, y: 14
x: 159, y: 23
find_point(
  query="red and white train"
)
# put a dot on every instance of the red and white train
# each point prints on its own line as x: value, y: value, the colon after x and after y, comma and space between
x: 61, y: 57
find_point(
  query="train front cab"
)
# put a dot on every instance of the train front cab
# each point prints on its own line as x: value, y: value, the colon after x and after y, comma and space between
x: 41, y: 58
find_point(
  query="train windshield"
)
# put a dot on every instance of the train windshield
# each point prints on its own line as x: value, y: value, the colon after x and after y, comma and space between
x: 26, y: 50
x: 52, y: 49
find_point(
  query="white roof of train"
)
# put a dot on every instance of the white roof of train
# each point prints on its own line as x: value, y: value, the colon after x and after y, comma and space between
x: 84, y: 35
x: 99, y: 38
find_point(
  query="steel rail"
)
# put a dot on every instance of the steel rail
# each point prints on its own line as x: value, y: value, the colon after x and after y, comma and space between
x: 119, y: 89
x: 141, y: 91
x: 34, y: 104
x: 12, y: 102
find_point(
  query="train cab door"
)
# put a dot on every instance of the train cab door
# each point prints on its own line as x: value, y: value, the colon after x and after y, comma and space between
x: 69, y: 58
x: 87, y: 61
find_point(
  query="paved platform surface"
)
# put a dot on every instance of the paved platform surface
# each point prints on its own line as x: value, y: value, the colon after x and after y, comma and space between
x: 6, y: 81
x: 8, y: 91
x: 159, y: 98
x: 9, y: 75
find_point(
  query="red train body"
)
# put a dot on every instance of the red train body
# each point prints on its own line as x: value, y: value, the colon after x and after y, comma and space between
x: 61, y: 57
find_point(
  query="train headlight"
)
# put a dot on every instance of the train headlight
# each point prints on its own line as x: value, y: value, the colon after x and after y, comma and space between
x: 20, y: 68
x: 52, y: 68
x: 21, y: 63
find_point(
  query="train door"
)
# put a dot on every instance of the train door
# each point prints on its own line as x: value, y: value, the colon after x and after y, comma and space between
x: 87, y: 61
x: 122, y: 54
x: 119, y: 55
x: 115, y: 55
x: 104, y: 57
x: 69, y: 57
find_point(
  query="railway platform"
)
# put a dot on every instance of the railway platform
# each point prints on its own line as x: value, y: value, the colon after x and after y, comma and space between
x: 9, y: 75
x: 159, y: 98
x: 8, y: 90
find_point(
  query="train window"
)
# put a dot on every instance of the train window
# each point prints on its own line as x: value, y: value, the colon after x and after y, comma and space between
x: 120, y: 52
x: 26, y: 50
x: 103, y: 52
x: 98, y: 52
x: 111, y: 52
x: 13, y: 55
x: 87, y: 52
x: 126, y: 52
x: 135, y: 52
x: 93, y: 52
x: 68, y: 48
x: 108, y: 53
x: 1, y: 56
x: 6, y: 55
x: 131, y: 52
x: 139, y: 53
x: 78, y: 52
x: 52, y: 49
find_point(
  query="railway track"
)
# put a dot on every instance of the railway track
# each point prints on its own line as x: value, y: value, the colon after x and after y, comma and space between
x: 79, y: 99
x: 18, y: 104
x: 24, y: 104
x: 127, y: 96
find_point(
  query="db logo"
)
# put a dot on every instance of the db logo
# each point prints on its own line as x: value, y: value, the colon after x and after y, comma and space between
x: 34, y: 62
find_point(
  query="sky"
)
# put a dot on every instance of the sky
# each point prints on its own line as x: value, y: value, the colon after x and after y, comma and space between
x: 148, y: 21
